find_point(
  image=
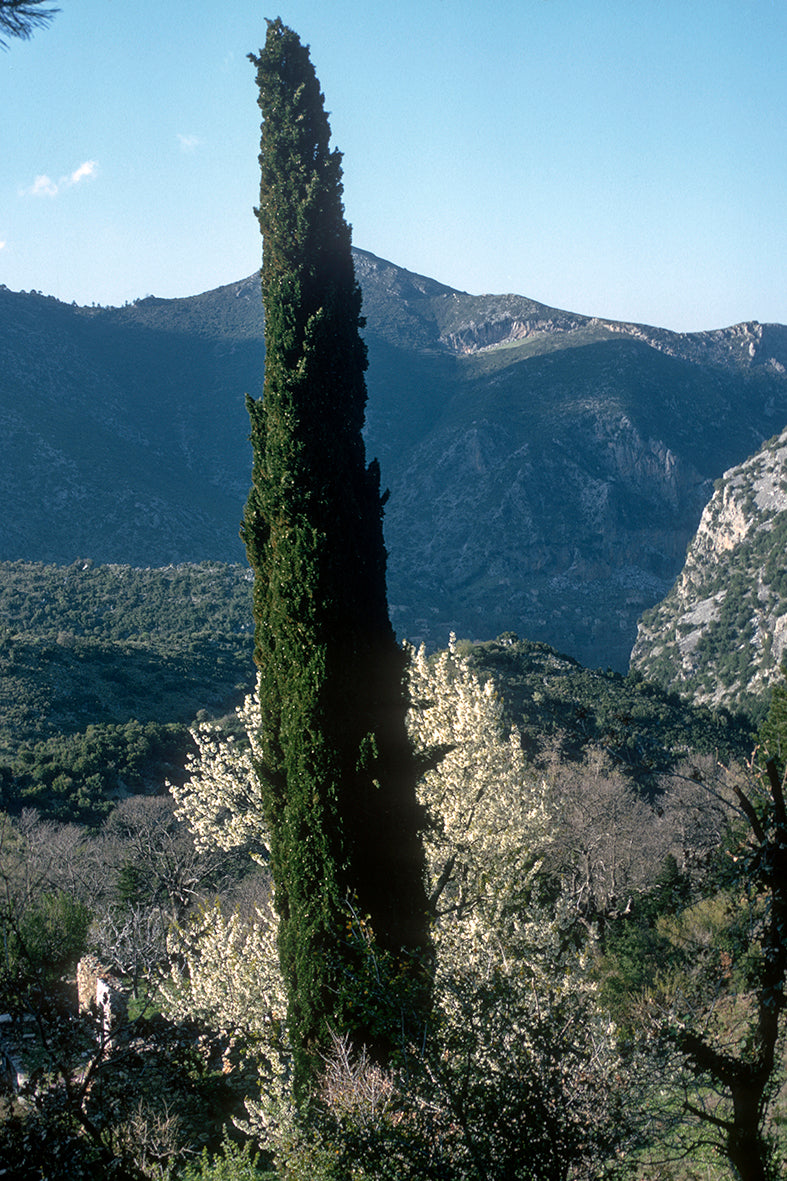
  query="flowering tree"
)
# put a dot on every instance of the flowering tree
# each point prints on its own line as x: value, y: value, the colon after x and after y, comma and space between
x: 225, y: 975
x: 222, y: 798
x: 478, y: 777
x: 513, y: 1078
x: 523, y: 1060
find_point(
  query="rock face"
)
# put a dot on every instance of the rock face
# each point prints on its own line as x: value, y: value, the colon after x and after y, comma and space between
x: 547, y: 469
x: 562, y: 525
x: 721, y: 633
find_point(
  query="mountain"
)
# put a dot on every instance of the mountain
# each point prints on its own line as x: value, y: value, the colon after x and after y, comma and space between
x: 721, y: 632
x: 547, y: 469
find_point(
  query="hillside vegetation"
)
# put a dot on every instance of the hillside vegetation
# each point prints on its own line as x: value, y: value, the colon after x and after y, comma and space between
x: 564, y: 711
x: 103, y: 668
x: 595, y: 906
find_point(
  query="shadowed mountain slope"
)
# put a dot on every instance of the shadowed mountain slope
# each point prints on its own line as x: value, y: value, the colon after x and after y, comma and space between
x: 547, y: 469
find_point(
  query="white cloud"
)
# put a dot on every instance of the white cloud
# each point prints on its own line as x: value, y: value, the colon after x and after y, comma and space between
x: 2, y: 245
x: 85, y: 170
x: 189, y: 142
x: 44, y: 186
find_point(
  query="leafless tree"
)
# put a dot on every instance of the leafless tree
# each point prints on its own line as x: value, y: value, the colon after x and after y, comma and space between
x: 157, y: 859
x: 609, y: 841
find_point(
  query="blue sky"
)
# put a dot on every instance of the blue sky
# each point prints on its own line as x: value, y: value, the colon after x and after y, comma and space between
x: 620, y: 159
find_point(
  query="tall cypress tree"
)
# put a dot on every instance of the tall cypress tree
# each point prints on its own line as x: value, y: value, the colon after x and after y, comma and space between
x: 338, y: 768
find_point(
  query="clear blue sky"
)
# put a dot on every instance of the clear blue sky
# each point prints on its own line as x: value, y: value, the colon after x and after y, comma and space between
x: 620, y: 158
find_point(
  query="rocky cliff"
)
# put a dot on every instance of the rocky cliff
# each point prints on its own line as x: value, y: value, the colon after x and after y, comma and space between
x: 721, y: 632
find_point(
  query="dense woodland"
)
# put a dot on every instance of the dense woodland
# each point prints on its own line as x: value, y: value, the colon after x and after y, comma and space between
x: 103, y: 669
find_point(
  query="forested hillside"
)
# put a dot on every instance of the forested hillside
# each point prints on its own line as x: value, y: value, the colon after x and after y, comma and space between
x: 563, y: 711
x: 102, y: 670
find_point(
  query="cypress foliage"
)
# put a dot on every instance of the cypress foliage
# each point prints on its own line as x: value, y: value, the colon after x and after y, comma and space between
x: 338, y: 768
x: 772, y: 735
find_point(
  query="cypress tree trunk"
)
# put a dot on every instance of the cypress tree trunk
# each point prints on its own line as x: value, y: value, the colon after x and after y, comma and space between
x: 338, y: 767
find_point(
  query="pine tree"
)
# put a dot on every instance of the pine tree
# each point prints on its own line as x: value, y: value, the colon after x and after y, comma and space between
x: 18, y: 18
x: 338, y: 770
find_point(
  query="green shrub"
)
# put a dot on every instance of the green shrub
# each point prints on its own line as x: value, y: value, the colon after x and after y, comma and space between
x: 232, y: 1163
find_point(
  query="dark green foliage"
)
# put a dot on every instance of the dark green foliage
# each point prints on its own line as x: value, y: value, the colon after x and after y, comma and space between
x: 233, y: 1163
x: 338, y: 768
x: 85, y: 600
x: 643, y: 727
x: 634, y: 950
x: 46, y: 1141
x: 18, y: 18
x: 103, y: 668
x: 772, y: 734
x: 76, y: 776
x: 40, y: 943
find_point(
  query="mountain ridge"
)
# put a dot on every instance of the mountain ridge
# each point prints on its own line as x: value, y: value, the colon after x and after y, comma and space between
x: 547, y: 469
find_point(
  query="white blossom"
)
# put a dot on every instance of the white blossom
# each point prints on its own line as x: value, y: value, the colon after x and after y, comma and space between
x: 488, y: 812
x: 515, y: 1016
x: 224, y: 974
x: 222, y: 799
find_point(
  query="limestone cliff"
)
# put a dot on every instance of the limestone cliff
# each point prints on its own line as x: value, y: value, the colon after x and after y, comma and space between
x: 721, y: 632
